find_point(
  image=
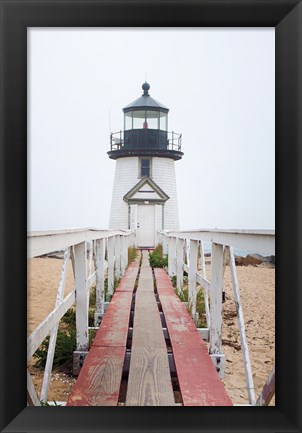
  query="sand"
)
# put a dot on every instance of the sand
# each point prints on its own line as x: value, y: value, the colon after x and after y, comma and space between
x: 257, y: 290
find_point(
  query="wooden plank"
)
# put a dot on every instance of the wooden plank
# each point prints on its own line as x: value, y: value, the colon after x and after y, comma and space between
x: 198, y: 379
x: 145, y: 259
x: 114, y: 327
x: 147, y: 327
x: 145, y: 282
x: 99, y: 381
x: 127, y: 282
x: 149, y: 382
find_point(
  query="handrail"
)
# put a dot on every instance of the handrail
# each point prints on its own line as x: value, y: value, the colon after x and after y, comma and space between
x: 81, y: 246
x: 45, y: 242
x: 223, y: 241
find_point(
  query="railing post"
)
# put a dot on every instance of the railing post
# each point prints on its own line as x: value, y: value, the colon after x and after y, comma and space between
x: 54, y: 332
x: 82, y: 300
x: 99, y: 271
x: 117, y: 253
x: 90, y: 254
x: 180, y: 264
x: 110, y: 255
x: 124, y: 253
x: 192, y: 277
x: 172, y: 256
x: 206, y: 294
x: 216, y: 308
x: 165, y: 244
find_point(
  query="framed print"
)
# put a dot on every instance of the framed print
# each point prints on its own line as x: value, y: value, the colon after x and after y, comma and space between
x: 20, y: 16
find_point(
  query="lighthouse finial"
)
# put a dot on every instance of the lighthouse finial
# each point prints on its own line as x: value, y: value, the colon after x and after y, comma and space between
x: 146, y: 87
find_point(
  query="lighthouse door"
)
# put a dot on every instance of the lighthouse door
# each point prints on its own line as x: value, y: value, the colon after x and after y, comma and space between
x: 145, y: 226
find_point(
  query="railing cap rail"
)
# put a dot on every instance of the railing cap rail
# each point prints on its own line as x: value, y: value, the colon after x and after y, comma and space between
x: 44, y: 242
x: 256, y: 241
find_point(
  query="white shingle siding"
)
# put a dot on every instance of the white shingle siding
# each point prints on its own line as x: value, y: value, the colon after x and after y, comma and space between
x: 126, y: 177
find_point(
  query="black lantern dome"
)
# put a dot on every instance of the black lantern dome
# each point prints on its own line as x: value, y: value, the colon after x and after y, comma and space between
x: 145, y: 131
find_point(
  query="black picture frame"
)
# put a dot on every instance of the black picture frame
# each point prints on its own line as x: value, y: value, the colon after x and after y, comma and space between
x: 16, y: 16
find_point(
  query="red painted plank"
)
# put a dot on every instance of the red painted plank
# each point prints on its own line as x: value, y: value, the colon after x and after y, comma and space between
x: 127, y: 281
x: 114, y: 326
x: 199, y: 382
x: 99, y: 381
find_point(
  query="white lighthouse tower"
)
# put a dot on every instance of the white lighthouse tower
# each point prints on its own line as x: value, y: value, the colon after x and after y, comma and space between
x: 144, y: 194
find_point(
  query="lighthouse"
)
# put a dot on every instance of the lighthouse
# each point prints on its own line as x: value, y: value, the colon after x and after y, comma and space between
x: 144, y: 196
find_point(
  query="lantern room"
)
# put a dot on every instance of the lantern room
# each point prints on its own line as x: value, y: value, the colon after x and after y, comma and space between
x: 145, y: 131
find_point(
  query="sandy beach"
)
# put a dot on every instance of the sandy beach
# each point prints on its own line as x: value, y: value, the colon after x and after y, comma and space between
x: 257, y: 290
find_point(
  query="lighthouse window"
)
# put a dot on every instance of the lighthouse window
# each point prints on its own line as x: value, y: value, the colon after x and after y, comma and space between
x: 128, y: 121
x: 145, y: 165
x: 152, y: 119
x: 163, y: 121
x: 139, y: 118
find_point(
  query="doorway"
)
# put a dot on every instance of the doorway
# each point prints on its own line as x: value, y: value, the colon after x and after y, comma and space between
x: 145, y: 226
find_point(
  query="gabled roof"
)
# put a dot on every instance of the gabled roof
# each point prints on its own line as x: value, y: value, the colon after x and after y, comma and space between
x: 146, y: 189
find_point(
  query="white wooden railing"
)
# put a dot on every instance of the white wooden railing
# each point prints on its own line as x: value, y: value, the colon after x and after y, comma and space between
x: 223, y: 242
x: 80, y: 246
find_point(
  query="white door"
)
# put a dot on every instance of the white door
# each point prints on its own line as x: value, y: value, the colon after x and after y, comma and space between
x: 145, y: 225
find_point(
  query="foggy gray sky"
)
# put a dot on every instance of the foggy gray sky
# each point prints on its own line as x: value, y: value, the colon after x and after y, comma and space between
x: 219, y: 85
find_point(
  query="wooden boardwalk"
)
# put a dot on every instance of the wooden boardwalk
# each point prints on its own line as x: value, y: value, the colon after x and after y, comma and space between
x: 147, y: 351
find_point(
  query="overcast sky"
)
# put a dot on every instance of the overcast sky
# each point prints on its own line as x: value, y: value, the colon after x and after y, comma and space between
x: 219, y: 85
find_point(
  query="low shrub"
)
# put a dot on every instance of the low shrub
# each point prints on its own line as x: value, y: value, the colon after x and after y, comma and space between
x: 157, y: 259
x: 65, y: 346
x: 132, y: 253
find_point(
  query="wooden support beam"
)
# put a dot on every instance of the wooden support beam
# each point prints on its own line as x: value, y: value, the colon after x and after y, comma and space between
x: 192, y: 278
x: 110, y: 255
x: 165, y: 244
x: 172, y: 256
x: 179, y: 266
x: 216, y: 298
x: 54, y: 332
x: 117, y: 254
x: 100, y: 273
x: 82, y: 297
x: 124, y: 253
x: 205, y: 286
